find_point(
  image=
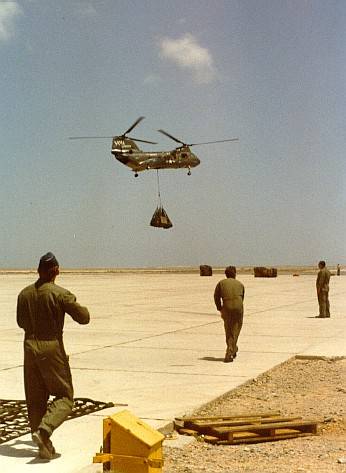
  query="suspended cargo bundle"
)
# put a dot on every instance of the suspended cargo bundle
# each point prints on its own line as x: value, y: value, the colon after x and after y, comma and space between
x: 160, y: 218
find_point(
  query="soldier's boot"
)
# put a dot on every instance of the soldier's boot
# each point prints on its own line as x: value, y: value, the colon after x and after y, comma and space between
x: 228, y: 357
x: 45, y: 447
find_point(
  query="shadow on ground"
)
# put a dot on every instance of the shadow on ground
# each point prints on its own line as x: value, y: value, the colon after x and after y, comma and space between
x: 211, y: 358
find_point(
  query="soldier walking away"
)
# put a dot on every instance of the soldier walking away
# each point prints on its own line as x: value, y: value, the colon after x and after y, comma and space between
x: 338, y: 270
x: 229, y: 297
x: 41, y: 309
x: 322, y: 287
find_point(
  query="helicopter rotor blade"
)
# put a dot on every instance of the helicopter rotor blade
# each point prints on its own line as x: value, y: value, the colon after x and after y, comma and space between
x: 171, y: 136
x: 211, y: 142
x: 108, y: 138
x: 89, y: 137
x: 142, y: 141
x: 135, y: 124
x: 195, y: 144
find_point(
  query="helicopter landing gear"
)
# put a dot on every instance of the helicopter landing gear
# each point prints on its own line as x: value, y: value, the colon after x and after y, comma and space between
x: 189, y: 172
x: 136, y: 174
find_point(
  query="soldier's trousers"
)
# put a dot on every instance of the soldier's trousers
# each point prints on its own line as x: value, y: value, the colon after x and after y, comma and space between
x: 47, y: 373
x: 233, y: 322
x: 323, y: 302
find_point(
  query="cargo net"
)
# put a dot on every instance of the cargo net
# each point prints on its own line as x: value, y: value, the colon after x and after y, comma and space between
x: 14, y: 420
x: 160, y: 218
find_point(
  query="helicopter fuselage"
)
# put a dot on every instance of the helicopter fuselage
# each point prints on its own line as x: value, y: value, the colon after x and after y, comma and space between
x: 127, y: 152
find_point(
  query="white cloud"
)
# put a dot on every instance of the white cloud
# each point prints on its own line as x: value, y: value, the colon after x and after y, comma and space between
x: 152, y: 79
x: 186, y: 53
x: 87, y: 9
x: 8, y: 12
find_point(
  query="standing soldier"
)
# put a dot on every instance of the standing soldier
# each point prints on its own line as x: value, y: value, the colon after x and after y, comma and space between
x: 322, y: 287
x: 41, y: 309
x: 228, y: 297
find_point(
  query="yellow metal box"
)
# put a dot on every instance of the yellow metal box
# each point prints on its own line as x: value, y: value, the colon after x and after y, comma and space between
x: 130, y: 445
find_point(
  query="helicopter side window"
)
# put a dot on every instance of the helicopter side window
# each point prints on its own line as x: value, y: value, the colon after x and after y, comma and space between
x: 183, y: 155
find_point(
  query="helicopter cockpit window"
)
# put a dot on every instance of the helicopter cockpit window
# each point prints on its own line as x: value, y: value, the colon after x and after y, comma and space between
x: 183, y: 155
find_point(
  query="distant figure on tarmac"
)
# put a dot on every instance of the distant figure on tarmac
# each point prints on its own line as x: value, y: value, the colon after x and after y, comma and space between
x: 322, y: 287
x: 41, y: 309
x: 338, y: 270
x: 228, y: 297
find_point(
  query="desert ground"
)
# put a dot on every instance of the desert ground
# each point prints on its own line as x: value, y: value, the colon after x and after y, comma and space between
x: 155, y: 346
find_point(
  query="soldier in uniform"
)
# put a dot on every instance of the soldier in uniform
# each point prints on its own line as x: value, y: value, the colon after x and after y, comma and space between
x: 228, y: 297
x: 41, y: 309
x: 322, y: 287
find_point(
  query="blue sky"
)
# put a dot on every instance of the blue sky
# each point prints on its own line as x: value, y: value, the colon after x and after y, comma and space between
x: 269, y: 72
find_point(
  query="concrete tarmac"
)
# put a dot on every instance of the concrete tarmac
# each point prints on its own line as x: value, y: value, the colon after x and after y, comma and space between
x: 155, y: 346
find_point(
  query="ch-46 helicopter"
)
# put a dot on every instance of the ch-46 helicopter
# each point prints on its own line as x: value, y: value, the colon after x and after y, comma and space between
x: 127, y: 152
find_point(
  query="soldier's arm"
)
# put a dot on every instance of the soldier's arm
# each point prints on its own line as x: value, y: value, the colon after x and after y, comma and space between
x: 22, y: 320
x: 318, y: 282
x: 217, y: 297
x: 79, y: 313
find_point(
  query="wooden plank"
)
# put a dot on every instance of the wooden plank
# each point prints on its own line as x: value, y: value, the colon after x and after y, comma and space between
x: 197, y: 425
x: 299, y: 425
x: 188, y: 432
x: 235, y: 416
x: 210, y: 439
x: 250, y: 436
x: 207, y: 438
x: 259, y: 439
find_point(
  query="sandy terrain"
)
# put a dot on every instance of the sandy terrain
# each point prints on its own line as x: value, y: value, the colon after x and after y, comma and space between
x: 312, y: 389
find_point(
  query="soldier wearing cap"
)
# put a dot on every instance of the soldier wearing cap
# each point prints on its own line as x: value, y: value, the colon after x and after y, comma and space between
x: 41, y: 309
x: 228, y: 297
x: 322, y: 287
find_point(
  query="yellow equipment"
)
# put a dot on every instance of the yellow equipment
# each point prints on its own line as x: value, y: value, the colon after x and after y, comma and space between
x: 130, y: 445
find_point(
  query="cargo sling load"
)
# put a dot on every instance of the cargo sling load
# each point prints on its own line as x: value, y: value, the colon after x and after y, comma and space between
x: 160, y: 218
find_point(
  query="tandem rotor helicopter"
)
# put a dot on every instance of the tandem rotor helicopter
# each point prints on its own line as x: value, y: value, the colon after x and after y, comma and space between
x: 125, y: 150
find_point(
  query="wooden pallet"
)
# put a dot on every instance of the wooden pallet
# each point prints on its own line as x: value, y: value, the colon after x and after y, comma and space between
x: 248, y: 428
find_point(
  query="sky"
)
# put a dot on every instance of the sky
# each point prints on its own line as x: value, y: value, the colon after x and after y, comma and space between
x: 269, y: 72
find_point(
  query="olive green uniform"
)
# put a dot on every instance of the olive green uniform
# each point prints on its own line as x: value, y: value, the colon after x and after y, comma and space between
x: 41, y: 309
x: 322, y: 286
x: 228, y: 297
